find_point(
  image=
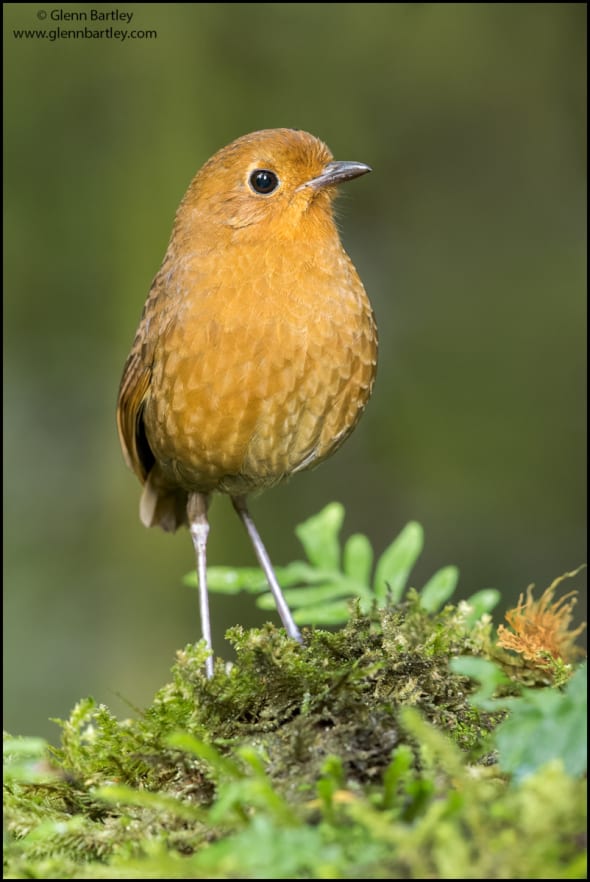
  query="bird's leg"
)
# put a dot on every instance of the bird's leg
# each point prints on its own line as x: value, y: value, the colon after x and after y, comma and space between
x: 199, y: 527
x: 239, y: 503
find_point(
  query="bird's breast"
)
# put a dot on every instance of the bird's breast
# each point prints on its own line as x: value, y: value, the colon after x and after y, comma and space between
x: 262, y: 367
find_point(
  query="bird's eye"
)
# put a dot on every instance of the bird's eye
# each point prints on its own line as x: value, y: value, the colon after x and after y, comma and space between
x: 263, y: 181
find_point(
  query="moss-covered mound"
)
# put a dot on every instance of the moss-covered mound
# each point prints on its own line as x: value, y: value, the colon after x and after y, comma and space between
x: 359, y: 755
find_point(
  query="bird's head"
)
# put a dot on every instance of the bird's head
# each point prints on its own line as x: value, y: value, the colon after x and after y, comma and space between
x: 276, y: 182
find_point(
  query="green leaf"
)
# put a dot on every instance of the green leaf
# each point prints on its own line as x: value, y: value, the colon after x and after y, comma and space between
x: 23, y: 748
x: 545, y: 725
x: 324, y: 589
x: 489, y: 675
x: 332, y: 780
x: 267, y: 849
x: 25, y: 760
x: 319, y: 607
x: 230, y: 580
x: 310, y: 596
x: 438, y: 589
x: 396, y: 773
x: 204, y: 751
x: 299, y: 573
x: 396, y: 562
x: 358, y: 559
x: 482, y: 602
x: 336, y: 613
x: 319, y: 536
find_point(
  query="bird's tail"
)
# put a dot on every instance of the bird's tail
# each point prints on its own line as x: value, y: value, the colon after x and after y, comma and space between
x: 162, y: 506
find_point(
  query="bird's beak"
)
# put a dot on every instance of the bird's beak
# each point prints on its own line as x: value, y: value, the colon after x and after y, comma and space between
x: 336, y: 173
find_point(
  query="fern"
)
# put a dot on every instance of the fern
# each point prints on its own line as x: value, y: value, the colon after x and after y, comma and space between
x: 319, y: 590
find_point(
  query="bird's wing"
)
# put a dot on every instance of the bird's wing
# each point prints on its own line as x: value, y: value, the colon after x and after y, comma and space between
x: 132, y: 394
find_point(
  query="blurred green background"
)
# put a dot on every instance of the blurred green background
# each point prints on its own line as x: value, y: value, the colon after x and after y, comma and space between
x: 470, y: 236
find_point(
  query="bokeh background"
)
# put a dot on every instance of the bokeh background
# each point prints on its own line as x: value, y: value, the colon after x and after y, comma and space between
x: 470, y: 236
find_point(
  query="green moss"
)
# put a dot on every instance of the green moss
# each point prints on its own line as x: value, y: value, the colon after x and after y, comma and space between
x: 403, y: 746
x: 356, y: 755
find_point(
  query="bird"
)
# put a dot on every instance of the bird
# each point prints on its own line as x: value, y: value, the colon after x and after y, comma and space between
x: 256, y: 351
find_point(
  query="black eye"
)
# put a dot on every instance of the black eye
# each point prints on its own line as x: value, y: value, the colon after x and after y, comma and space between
x: 263, y: 181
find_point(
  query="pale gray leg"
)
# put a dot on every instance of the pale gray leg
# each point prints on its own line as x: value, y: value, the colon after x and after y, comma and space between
x: 199, y: 527
x: 240, y: 506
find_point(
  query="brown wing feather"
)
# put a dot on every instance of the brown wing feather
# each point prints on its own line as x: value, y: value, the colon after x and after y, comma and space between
x: 161, y: 505
x: 132, y: 393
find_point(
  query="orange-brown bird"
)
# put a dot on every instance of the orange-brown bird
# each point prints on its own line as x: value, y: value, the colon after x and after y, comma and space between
x: 257, y: 347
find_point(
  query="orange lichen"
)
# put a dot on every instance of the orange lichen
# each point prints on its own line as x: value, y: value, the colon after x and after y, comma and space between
x: 541, y: 628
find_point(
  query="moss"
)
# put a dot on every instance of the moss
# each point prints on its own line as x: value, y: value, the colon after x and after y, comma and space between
x: 356, y: 755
